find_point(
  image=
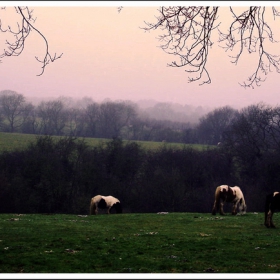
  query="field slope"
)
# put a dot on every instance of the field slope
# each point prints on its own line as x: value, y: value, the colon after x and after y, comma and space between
x: 12, y: 141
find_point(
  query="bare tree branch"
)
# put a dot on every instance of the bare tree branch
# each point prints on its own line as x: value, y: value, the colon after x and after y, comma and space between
x: 24, y: 28
x: 187, y: 35
x: 249, y: 31
x: 120, y: 8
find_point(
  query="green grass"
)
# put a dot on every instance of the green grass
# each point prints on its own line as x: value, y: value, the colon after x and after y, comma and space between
x: 12, y: 141
x: 138, y: 243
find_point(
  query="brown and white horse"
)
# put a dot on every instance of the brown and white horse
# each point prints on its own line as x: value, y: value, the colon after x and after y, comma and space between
x: 225, y: 193
x: 105, y: 202
x: 272, y: 203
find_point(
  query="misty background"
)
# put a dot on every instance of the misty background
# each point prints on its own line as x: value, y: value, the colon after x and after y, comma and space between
x: 106, y: 54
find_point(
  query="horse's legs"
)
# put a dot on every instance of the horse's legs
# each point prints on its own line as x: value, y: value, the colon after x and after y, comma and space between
x: 266, y: 223
x: 265, y: 219
x: 222, y: 208
x: 95, y: 209
x: 214, y: 208
x: 269, y: 219
x: 92, y: 209
x: 234, y: 209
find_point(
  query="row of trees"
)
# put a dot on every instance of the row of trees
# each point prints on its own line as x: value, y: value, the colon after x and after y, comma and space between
x: 61, y: 176
x: 251, y: 127
x: 109, y: 119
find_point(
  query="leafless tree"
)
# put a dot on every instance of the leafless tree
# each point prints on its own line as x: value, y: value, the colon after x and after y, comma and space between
x: 254, y: 132
x: 19, y: 34
x: 53, y: 116
x: 212, y: 126
x: 113, y: 117
x: 187, y: 33
x: 14, y: 108
x: 91, y: 117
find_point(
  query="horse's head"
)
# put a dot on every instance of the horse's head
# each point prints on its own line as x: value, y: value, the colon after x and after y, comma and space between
x: 102, y: 204
x: 223, y: 188
x: 231, y: 194
x: 242, y: 206
x: 240, y: 198
x: 117, y: 207
x: 222, y: 191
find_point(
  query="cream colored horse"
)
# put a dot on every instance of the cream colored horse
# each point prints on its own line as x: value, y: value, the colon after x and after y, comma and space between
x: 225, y: 193
x: 104, y: 202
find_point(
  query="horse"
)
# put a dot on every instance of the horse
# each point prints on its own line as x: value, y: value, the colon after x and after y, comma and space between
x: 225, y: 193
x: 109, y: 203
x: 272, y: 203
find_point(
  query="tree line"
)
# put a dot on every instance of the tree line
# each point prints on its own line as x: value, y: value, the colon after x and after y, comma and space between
x: 124, y: 119
x: 88, y: 118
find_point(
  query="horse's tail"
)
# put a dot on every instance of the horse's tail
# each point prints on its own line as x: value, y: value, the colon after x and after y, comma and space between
x: 92, y: 207
x: 118, y: 207
x: 216, y: 206
x: 243, y: 206
x: 268, y: 200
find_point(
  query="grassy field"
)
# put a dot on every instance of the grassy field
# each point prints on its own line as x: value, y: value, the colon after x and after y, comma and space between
x: 12, y: 141
x: 138, y: 243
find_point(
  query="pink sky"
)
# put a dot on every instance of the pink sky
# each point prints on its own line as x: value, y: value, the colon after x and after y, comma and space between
x: 107, y: 55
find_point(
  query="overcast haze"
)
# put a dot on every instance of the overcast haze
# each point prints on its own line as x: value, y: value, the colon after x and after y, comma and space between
x: 107, y: 55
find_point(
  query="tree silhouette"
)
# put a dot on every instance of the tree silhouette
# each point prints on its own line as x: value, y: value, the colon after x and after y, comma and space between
x: 187, y: 34
x: 18, y: 34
